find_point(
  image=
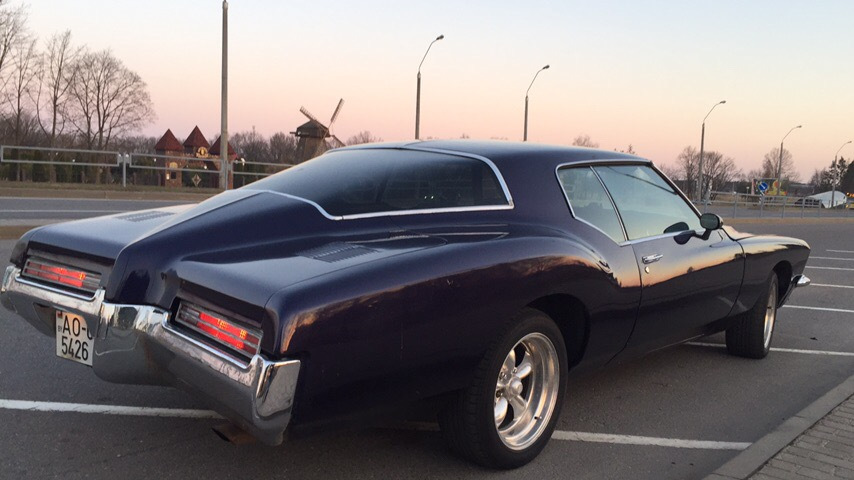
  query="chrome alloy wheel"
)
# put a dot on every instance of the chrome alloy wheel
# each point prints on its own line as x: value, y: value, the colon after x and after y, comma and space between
x: 526, y: 391
x: 770, y: 316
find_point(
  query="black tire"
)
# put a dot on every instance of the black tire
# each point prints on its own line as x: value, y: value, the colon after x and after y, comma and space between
x: 468, y: 421
x: 747, y: 336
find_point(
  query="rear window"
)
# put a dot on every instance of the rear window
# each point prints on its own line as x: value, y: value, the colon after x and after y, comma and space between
x: 376, y: 181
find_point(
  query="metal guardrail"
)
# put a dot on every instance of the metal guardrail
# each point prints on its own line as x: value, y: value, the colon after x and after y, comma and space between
x: 132, y: 163
x: 741, y: 205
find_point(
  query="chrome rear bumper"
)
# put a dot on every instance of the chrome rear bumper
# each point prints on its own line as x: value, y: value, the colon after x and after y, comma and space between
x: 136, y: 344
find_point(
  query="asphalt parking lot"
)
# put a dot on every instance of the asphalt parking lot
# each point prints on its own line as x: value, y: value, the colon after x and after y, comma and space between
x: 676, y: 414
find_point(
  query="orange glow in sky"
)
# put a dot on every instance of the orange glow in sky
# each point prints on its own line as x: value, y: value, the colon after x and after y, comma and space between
x: 623, y: 72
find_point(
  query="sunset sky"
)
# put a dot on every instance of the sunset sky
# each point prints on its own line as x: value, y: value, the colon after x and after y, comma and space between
x: 624, y: 72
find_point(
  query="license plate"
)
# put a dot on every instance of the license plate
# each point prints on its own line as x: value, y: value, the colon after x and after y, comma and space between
x: 74, y: 340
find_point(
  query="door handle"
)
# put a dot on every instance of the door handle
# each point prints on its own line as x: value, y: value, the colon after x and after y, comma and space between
x: 647, y: 259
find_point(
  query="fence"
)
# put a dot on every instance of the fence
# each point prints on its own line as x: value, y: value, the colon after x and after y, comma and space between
x: 741, y: 205
x: 66, y: 165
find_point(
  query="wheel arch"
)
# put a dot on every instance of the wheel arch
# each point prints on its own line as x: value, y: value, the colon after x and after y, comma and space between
x: 571, y: 317
x: 783, y: 270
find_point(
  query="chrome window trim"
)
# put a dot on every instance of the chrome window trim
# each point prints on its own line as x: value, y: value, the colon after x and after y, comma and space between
x: 590, y: 165
x: 669, y: 182
x: 659, y: 237
x: 425, y: 211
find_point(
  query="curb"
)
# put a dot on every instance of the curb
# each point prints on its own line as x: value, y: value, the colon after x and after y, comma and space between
x: 760, y: 452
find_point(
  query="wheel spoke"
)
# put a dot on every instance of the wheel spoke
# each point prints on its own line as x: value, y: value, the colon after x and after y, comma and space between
x: 509, y: 362
x: 525, y: 367
x: 500, y: 410
x: 518, y: 404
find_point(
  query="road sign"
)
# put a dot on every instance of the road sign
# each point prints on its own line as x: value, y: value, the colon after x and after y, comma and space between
x: 763, y: 186
x: 196, y: 179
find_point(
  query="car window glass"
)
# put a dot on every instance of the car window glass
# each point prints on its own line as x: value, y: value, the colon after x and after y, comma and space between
x: 647, y: 204
x: 352, y: 182
x: 589, y: 200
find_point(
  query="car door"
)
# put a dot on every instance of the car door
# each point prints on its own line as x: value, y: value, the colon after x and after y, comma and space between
x: 689, y: 277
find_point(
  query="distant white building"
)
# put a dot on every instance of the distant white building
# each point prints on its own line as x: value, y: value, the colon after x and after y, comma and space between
x: 830, y: 198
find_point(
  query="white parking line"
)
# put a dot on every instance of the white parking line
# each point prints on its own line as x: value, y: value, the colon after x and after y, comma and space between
x: 831, y: 286
x: 786, y: 350
x: 821, y: 309
x: 105, y: 409
x: 33, y: 406
x: 62, y: 211
x: 830, y: 268
x: 614, y: 438
x: 648, y: 441
x: 841, y: 251
x: 832, y: 258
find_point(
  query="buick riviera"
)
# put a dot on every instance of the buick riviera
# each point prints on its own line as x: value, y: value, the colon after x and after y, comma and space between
x: 476, y: 274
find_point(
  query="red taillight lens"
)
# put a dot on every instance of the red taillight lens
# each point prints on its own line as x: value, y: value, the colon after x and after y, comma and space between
x: 62, y: 275
x: 223, y: 331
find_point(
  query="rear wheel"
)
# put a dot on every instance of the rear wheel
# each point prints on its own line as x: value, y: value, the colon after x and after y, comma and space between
x: 750, y: 335
x: 506, y: 417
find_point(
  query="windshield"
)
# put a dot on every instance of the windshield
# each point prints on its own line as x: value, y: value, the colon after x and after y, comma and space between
x: 353, y: 182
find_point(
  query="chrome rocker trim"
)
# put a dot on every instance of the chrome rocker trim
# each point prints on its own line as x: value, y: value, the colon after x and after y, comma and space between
x: 135, y: 344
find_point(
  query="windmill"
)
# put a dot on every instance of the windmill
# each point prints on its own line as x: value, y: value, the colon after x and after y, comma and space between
x: 312, y: 135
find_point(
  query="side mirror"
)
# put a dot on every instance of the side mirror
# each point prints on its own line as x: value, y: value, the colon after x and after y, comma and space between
x: 710, y: 221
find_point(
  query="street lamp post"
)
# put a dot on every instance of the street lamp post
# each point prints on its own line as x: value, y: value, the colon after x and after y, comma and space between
x: 418, y: 89
x: 702, y: 144
x: 835, y: 174
x: 525, y: 135
x: 223, y: 135
x: 780, y: 161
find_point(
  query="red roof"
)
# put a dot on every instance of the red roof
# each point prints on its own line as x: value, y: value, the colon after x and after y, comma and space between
x: 214, y: 150
x: 196, y: 140
x: 168, y: 143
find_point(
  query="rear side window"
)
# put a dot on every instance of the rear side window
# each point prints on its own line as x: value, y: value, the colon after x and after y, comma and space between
x: 589, y: 201
x: 648, y: 205
x: 353, y: 182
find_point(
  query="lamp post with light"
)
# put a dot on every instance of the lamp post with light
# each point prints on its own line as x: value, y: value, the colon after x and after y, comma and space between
x: 835, y: 175
x: 780, y: 161
x: 418, y: 89
x: 525, y: 134
x: 702, y: 145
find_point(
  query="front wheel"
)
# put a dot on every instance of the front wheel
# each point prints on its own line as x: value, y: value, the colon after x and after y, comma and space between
x: 506, y: 417
x: 750, y: 335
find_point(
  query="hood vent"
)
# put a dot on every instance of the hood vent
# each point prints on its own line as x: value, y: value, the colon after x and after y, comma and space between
x: 335, y: 252
x: 144, y: 216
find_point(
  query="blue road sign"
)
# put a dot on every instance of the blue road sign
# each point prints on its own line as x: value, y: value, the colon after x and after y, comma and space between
x: 763, y: 186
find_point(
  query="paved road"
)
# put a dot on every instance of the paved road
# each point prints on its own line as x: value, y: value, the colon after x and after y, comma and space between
x: 15, y: 208
x: 676, y: 397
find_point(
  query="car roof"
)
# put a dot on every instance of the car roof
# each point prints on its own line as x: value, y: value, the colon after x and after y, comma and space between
x: 503, y: 151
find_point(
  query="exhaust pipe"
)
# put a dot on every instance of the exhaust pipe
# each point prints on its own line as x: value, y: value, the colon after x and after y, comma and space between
x: 233, y: 434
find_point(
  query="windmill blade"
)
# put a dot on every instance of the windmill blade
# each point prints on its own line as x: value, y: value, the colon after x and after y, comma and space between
x: 308, y: 114
x: 337, y: 142
x: 335, y: 113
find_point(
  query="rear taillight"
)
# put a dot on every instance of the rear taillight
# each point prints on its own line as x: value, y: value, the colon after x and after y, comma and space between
x: 219, y: 329
x: 62, y: 275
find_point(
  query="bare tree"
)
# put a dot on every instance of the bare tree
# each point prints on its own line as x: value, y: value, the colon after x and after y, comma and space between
x: 673, y: 172
x: 56, y: 75
x: 283, y: 148
x: 108, y: 99
x: 12, y: 28
x: 20, y: 87
x: 365, y: 136
x: 584, y: 141
x: 787, y: 171
x: 251, y: 145
x: 718, y: 171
